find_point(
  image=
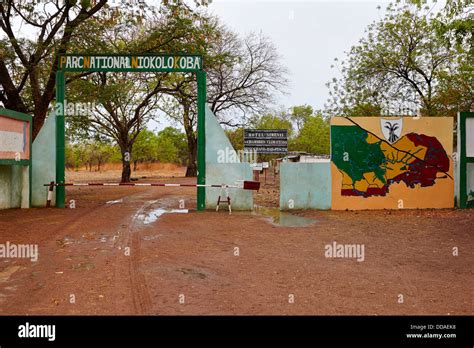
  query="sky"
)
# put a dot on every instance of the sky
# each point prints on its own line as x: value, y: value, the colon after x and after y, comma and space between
x: 307, y: 34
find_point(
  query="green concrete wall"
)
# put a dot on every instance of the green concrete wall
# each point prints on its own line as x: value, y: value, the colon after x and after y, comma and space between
x: 6, y: 187
x: 17, y: 184
x: 224, y: 167
x: 228, y: 173
x: 216, y: 139
x: 44, y: 162
x: 305, y: 186
x: 14, y: 186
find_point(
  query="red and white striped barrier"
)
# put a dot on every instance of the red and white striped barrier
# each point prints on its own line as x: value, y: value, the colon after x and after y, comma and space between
x: 241, y: 184
x: 245, y: 185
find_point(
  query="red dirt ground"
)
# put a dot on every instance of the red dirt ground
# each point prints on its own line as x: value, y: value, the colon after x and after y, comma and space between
x: 192, y: 257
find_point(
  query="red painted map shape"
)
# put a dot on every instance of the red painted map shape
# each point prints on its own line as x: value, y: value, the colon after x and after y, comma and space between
x: 424, y: 171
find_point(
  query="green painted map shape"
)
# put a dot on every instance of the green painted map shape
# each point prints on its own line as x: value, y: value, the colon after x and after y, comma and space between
x: 350, y: 142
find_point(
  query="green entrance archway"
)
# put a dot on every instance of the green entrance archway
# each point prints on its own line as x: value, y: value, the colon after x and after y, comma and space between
x: 181, y: 63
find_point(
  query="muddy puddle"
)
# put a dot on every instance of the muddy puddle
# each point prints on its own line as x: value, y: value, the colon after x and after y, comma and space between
x: 281, y: 218
x: 153, y: 215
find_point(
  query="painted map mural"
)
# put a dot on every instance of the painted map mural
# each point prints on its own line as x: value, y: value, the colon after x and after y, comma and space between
x: 373, y: 155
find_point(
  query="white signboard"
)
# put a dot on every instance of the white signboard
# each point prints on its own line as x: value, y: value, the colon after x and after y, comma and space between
x: 470, y: 137
x: 14, y: 138
x: 265, y: 165
x: 11, y: 142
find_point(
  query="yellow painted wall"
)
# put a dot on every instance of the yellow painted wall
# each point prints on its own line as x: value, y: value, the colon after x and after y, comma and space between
x: 440, y: 195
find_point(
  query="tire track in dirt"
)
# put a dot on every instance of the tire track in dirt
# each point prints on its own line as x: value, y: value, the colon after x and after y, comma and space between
x: 72, y: 225
x: 140, y: 295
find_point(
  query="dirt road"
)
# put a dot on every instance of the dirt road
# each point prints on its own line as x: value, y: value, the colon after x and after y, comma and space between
x: 129, y: 257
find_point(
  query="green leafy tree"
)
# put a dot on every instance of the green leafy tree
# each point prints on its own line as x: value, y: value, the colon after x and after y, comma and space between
x: 455, y: 24
x: 178, y: 140
x: 103, y: 152
x: 455, y: 91
x: 300, y: 114
x: 454, y: 21
x: 168, y: 146
x: 89, y: 154
x: 273, y: 120
x: 313, y: 136
x: 276, y: 119
x: 362, y: 108
x: 72, y: 157
x: 37, y: 31
x: 145, y: 148
x: 236, y: 137
x: 397, y: 66
x: 167, y: 152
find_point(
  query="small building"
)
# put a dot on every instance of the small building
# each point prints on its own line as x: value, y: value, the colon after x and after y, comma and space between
x: 299, y: 157
x: 15, y: 159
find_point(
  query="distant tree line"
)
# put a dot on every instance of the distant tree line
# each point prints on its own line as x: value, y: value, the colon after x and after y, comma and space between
x: 166, y: 146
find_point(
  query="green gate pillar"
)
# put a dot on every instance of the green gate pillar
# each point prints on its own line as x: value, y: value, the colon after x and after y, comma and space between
x: 60, y: 141
x: 201, y: 140
x: 185, y: 63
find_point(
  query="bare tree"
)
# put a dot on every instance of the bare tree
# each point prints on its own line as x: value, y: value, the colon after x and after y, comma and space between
x: 247, y: 77
x: 242, y: 77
